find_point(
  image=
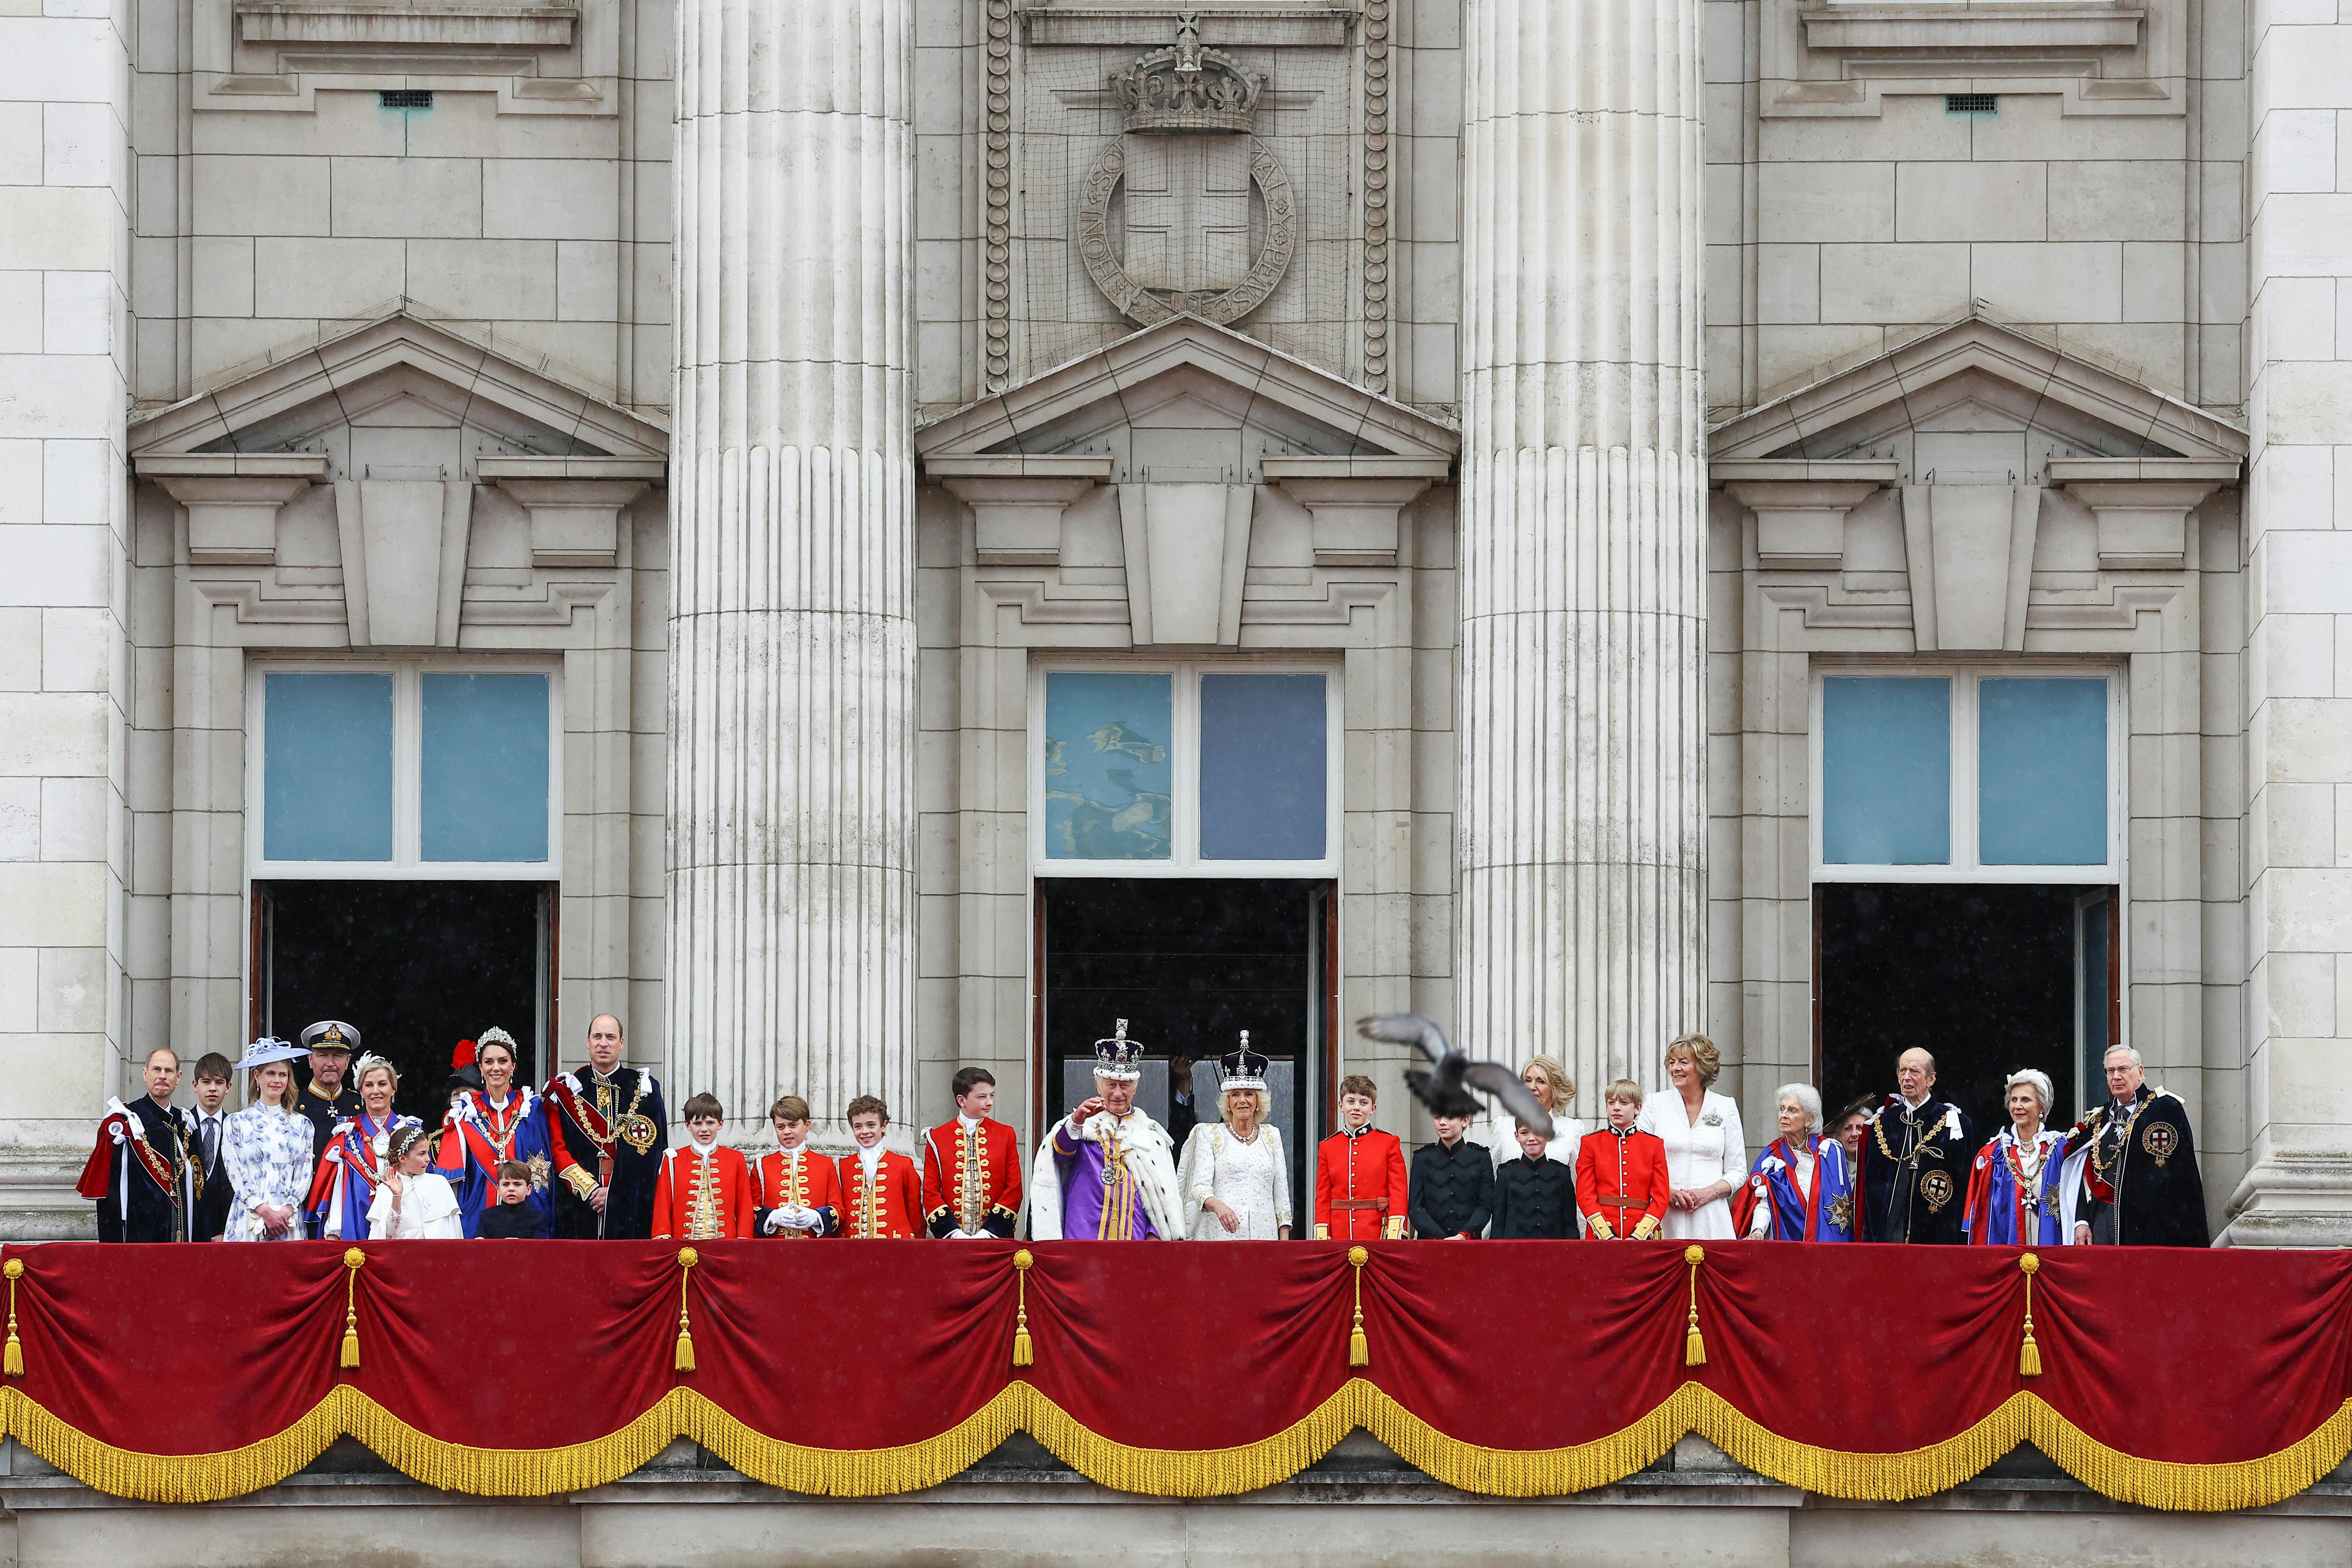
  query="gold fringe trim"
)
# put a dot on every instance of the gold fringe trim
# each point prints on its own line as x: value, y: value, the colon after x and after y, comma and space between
x: 856, y: 1472
x: 2204, y: 1488
x: 1196, y: 1473
x: 174, y: 1478
x: 1527, y: 1472
x: 1179, y: 1473
x: 515, y: 1472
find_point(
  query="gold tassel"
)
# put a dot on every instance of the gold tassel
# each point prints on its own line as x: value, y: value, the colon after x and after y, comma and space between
x: 1694, y: 1346
x: 1024, y: 1353
x: 13, y: 1364
x: 687, y: 1259
x: 1359, y: 1349
x: 2028, y: 1354
x: 353, y: 1261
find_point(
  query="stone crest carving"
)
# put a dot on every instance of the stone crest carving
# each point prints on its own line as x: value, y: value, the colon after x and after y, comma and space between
x: 1184, y: 170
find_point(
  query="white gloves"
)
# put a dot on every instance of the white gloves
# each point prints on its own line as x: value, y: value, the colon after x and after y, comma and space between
x: 790, y: 1218
x: 965, y: 1236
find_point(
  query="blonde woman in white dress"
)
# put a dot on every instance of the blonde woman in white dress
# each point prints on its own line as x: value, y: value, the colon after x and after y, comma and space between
x: 1235, y: 1177
x: 1547, y: 1077
x: 266, y: 1149
x: 1706, y: 1152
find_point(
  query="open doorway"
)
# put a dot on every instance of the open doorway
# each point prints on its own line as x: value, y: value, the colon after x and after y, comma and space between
x: 415, y: 966
x: 1190, y: 963
x: 1988, y: 978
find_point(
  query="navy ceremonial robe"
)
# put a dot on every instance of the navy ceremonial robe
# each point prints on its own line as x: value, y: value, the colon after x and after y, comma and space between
x: 1914, y: 1173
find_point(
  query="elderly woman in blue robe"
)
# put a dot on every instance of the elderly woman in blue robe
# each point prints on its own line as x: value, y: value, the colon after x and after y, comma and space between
x: 2015, y: 1186
x: 1801, y: 1188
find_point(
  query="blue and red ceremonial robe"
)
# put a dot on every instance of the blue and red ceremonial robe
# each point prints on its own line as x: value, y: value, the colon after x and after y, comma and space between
x: 358, y: 1155
x: 1822, y: 1211
x: 2004, y: 1208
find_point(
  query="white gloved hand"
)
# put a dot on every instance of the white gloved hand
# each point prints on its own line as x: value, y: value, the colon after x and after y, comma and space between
x: 807, y: 1219
x: 776, y: 1220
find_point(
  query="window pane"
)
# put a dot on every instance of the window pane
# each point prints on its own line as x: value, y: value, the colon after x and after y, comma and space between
x: 484, y: 786
x: 1107, y: 774
x: 326, y: 767
x: 1887, y: 772
x: 1262, y: 745
x: 2042, y: 773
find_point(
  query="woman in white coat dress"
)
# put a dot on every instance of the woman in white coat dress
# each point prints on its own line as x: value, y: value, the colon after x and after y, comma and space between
x: 1706, y: 1152
x: 1236, y: 1176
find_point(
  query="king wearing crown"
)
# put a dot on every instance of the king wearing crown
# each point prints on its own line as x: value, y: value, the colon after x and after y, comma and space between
x: 1107, y: 1172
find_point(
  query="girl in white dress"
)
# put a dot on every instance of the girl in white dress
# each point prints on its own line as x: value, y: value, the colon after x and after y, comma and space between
x: 413, y: 1204
x: 1234, y: 1177
x: 1706, y: 1152
x: 266, y: 1149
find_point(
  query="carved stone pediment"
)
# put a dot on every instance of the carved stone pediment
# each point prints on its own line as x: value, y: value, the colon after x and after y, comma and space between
x: 2012, y: 482
x: 1161, y: 453
x: 360, y: 467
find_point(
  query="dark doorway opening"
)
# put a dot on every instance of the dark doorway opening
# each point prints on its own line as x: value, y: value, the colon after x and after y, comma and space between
x: 1988, y: 978
x: 1190, y: 964
x: 415, y: 966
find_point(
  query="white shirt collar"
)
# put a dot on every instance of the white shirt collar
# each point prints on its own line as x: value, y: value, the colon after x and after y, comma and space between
x: 1915, y: 1108
x: 968, y: 1123
x: 870, y: 1158
x: 702, y: 1148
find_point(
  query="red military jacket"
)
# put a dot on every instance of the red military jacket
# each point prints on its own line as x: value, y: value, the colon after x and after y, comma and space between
x: 809, y: 1183
x: 1360, y: 1185
x: 1621, y: 1184
x: 884, y: 1210
x: 702, y: 1197
x: 972, y: 1179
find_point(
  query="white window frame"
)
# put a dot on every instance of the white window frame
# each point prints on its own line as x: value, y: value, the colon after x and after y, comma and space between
x: 1964, y: 866
x: 407, y: 864
x: 1184, y: 857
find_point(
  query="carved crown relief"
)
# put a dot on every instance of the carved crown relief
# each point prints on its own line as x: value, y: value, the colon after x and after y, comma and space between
x: 1181, y: 176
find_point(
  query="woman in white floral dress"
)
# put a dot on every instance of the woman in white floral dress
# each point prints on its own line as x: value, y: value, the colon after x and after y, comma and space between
x: 1235, y: 1177
x: 266, y: 1149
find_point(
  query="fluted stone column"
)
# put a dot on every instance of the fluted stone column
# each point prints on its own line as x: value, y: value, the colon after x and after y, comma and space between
x: 1582, y: 724
x: 792, y: 853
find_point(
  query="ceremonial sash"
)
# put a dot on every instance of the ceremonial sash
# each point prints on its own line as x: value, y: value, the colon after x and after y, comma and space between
x: 121, y: 1129
x: 473, y: 1124
x: 590, y: 1120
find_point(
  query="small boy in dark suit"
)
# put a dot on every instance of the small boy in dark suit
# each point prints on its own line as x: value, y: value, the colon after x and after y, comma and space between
x: 1534, y: 1198
x: 511, y: 1218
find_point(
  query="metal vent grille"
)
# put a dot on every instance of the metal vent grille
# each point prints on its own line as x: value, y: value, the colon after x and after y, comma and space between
x: 404, y: 98
x: 1954, y: 102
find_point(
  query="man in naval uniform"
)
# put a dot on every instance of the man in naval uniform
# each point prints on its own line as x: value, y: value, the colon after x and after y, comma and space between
x: 328, y: 1097
x: 1105, y: 1172
x: 145, y: 1173
x: 2130, y: 1176
x: 1915, y: 1161
x: 610, y: 1129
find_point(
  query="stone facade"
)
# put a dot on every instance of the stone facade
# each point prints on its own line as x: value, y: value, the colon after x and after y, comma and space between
x: 1580, y: 387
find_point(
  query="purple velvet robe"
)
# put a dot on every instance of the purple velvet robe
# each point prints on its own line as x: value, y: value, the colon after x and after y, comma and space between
x: 1092, y: 1207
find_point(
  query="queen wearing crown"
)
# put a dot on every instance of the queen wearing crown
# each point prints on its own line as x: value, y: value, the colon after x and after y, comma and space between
x: 1105, y: 1171
x: 1235, y: 1177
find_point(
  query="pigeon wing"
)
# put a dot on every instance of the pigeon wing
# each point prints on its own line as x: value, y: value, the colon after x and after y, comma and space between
x: 1405, y: 1029
x: 1502, y: 1083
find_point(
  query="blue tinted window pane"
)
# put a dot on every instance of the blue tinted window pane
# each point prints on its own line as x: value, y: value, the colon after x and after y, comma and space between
x: 2042, y: 773
x: 326, y: 767
x: 1887, y: 772
x: 1107, y: 774
x: 1263, y: 770
x: 484, y: 785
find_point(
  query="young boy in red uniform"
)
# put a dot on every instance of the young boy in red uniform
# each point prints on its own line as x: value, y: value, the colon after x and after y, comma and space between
x: 971, y: 1166
x: 704, y: 1190
x: 880, y: 1190
x: 1360, y: 1183
x: 797, y: 1189
x: 1620, y: 1172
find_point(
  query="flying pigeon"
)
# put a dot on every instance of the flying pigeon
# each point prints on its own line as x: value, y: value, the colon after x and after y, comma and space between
x: 1446, y: 1089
